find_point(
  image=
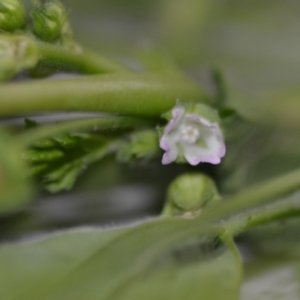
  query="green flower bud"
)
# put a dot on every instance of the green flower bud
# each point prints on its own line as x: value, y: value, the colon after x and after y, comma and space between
x: 188, y: 194
x: 50, y: 21
x: 12, y: 15
x: 16, y: 53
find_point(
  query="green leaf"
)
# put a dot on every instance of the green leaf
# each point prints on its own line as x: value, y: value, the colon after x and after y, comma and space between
x: 138, y: 262
x: 186, y: 278
x: 59, y: 160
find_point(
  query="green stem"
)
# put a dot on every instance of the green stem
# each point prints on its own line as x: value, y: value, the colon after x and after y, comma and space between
x: 180, y: 229
x: 101, y: 123
x: 257, y: 195
x: 277, y: 211
x: 246, y: 199
x: 85, y: 61
x: 130, y: 94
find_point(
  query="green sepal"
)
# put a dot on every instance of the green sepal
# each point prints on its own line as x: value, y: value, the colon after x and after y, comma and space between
x: 203, y: 110
x: 142, y: 144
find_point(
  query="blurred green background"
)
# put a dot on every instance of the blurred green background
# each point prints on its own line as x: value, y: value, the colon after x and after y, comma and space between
x: 256, y: 46
x: 254, y: 43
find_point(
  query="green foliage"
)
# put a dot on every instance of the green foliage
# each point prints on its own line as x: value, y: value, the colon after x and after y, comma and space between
x: 120, y: 264
x: 58, y: 161
x: 169, y: 257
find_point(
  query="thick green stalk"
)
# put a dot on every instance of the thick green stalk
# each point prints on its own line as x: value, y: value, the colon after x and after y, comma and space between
x: 83, y: 61
x: 256, y: 195
x: 285, y: 208
x: 246, y: 199
x: 128, y: 94
x: 101, y: 123
x: 182, y: 229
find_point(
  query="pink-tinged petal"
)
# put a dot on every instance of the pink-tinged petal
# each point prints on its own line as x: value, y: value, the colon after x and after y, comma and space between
x: 164, y: 144
x: 177, y: 113
x: 170, y: 156
x: 215, y: 142
x: 195, y: 155
x: 212, y: 160
x: 168, y: 141
x: 206, y: 159
x: 222, y: 151
x: 210, y: 149
x: 214, y: 127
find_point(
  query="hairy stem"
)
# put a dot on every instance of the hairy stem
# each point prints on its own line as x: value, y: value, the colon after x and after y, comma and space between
x: 246, y: 199
x: 130, y: 94
x: 256, y: 195
x: 249, y: 198
x: 101, y: 123
x: 285, y: 208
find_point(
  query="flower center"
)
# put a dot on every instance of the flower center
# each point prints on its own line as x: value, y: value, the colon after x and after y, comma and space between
x: 189, y: 133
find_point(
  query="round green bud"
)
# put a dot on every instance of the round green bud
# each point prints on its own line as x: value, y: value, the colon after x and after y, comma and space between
x: 49, y: 21
x: 17, y: 52
x: 12, y: 15
x: 188, y: 194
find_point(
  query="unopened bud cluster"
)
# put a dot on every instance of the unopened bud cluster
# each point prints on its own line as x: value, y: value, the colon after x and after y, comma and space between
x: 18, y: 39
x: 12, y: 15
x: 50, y: 22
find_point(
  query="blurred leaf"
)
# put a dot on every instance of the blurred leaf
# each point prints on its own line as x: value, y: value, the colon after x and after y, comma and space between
x: 130, y: 263
x: 273, y: 271
x: 275, y: 279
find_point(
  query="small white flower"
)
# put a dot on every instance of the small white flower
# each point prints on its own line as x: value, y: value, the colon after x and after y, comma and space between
x: 193, y: 133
